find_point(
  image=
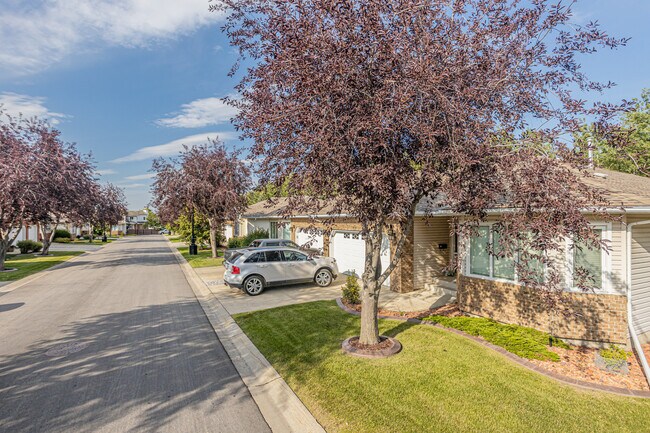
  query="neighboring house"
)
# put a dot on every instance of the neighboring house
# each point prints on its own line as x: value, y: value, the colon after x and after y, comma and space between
x: 133, y: 220
x: 485, y: 290
x: 263, y: 216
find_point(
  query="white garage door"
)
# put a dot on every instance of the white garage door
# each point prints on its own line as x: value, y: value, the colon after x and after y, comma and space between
x: 312, y: 236
x: 348, y: 248
x: 227, y: 232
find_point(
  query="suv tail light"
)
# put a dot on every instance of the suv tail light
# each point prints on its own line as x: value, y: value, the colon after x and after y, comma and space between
x: 235, y: 270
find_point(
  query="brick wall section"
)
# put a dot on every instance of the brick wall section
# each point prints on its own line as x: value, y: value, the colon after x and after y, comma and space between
x: 593, y: 318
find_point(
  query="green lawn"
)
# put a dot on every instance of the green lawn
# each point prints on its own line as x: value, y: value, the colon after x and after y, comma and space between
x: 29, y: 264
x: 440, y: 382
x: 202, y: 260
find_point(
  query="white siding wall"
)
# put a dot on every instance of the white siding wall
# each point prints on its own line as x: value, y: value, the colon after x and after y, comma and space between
x: 640, y: 284
x: 428, y: 260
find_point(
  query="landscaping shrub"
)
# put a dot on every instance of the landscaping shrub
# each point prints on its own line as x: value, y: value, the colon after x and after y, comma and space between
x: 61, y: 233
x: 615, y: 353
x: 62, y: 240
x: 244, y: 241
x: 351, y: 290
x: 524, y: 342
x: 28, y: 246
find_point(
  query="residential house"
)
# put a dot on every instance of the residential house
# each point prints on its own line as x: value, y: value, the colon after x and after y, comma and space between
x: 134, y: 220
x: 621, y: 298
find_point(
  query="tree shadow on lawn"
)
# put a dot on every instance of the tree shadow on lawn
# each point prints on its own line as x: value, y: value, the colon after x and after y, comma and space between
x: 146, y: 364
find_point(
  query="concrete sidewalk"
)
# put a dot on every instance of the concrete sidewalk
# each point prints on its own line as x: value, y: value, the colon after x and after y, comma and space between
x: 281, y: 408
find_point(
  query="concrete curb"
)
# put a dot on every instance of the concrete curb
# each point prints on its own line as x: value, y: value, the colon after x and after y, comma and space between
x: 19, y: 283
x: 279, y: 405
x: 521, y: 361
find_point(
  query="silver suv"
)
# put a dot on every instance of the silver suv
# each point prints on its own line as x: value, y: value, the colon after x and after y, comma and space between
x: 255, y: 269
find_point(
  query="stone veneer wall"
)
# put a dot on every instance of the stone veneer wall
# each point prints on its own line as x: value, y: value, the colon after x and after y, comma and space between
x: 591, y: 318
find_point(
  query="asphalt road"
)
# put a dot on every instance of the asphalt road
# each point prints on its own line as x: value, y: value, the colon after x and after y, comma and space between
x: 116, y: 342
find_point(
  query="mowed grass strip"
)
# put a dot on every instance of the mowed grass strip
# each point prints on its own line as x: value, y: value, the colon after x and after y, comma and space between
x: 440, y: 382
x: 202, y: 260
x: 28, y: 264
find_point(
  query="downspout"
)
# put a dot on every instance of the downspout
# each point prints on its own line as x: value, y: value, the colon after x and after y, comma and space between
x: 635, y: 340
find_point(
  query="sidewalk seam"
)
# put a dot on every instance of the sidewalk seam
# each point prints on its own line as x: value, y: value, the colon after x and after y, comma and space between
x: 278, y: 404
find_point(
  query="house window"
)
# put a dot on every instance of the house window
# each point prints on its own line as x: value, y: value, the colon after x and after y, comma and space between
x: 503, y: 267
x: 273, y: 230
x: 484, y: 264
x: 479, y: 259
x: 592, y: 260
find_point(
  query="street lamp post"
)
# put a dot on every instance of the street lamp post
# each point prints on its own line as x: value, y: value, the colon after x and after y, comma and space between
x: 194, y: 250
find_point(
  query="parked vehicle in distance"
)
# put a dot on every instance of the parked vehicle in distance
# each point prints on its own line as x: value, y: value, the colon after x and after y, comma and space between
x: 261, y: 243
x: 164, y: 232
x: 253, y: 270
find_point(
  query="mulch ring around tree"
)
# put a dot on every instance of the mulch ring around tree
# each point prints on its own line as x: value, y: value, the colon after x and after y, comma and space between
x: 387, y: 346
x: 576, y: 366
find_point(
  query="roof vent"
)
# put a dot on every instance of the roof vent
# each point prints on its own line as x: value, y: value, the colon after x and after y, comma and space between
x: 603, y: 175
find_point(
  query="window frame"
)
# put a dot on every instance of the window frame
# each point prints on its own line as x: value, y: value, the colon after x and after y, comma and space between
x: 605, y: 260
x: 468, y: 266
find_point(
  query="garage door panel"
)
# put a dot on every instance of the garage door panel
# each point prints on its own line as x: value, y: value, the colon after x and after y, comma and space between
x: 348, y: 248
x: 310, y: 236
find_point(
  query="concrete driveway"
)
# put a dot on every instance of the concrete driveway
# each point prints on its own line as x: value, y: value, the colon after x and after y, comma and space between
x: 236, y: 301
x: 117, y: 342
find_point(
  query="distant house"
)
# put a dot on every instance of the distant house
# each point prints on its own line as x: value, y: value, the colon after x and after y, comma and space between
x: 134, y: 220
x: 619, y: 302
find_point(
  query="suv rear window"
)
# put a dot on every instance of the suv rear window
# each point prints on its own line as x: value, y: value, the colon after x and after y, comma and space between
x: 272, y: 244
x: 234, y: 257
x: 256, y: 258
x: 255, y: 244
x: 290, y: 244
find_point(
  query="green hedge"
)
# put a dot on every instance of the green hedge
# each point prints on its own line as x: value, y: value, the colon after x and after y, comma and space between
x: 244, y: 241
x: 29, y: 246
x: 525, y: 342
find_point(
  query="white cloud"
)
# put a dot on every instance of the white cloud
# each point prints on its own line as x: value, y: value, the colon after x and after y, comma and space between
x: 29, y: 106
x: 39, y: 33
x: 104, y: 172
x: 141, y: 176
x: 173, y: 147
x: 200, y: 113
x: 132, y: 185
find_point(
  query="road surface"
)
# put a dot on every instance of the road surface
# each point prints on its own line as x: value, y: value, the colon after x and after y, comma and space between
x: 116, y: 342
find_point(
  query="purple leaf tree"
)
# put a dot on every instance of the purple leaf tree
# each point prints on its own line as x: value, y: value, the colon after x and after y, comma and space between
x: 377, y: 105
x: 207, y: 179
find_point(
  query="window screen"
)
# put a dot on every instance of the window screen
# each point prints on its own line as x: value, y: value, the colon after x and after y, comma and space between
x: 591, y: 260
x: 479, y: 259
x: 504, y: 267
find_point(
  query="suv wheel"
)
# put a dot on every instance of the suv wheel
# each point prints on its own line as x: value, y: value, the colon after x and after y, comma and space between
x: 323, y: 278
x: 254, y: 285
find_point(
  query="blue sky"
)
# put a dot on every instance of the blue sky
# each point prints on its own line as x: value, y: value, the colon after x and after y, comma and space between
x: 129, y: 80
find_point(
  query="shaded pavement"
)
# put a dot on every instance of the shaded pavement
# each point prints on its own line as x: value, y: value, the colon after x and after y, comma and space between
x: 116, y: 342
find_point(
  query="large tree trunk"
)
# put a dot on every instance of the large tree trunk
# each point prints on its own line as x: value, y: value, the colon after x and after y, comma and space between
x: 371, y: 288
x: 4, y: 246
x: 214, y: 226
x: 47, y: 238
